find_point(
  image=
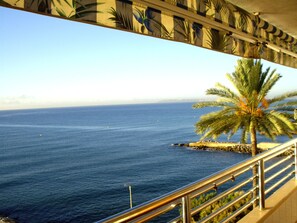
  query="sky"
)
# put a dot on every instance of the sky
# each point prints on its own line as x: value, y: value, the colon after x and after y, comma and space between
x: 50, y: 62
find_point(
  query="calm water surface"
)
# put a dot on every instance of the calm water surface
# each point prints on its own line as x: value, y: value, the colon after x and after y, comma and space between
x: 72, y: 164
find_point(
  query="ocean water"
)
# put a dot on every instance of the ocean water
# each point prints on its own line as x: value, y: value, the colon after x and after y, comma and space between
x: 74, y: 164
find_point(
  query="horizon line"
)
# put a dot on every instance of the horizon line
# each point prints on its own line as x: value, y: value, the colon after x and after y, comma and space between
x: 117, y: 103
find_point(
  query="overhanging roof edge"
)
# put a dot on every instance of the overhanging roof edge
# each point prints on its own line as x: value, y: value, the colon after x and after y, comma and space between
x: 217, y: 25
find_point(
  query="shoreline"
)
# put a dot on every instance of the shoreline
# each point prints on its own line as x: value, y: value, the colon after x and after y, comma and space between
x: 228, y: 146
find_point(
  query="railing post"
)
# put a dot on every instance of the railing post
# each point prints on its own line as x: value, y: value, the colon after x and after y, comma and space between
x: 186, y: 207
x: 261, y: 184
x: 130, y: 196
x: 295, y: 159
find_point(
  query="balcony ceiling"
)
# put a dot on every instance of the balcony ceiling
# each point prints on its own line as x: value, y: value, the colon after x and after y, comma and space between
x: 187, y: 21
x: 280, y: 13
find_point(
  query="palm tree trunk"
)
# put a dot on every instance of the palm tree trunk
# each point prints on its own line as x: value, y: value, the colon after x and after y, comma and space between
x: 254, y: 152
x: 253, y: 140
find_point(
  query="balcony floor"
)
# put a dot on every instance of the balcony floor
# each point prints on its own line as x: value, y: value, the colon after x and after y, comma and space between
x: 280, y: 207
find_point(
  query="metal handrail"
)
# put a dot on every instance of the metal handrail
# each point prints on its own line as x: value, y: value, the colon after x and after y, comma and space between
x: 183, y: 195
x: 279, y: 182
x: 279, y: 173
x: 222, y: 195
x: 278, y: 163
x: 225, y: 207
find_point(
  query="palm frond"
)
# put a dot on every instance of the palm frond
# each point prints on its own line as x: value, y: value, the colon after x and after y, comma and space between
x: 88, y: 6
x: 266, y: 127
x: 122, y: 20
x: 241, y: 77
x: 243, y: 19
x: 228, y: 92
x: 272, y: 79
x: 283, y: 97
x: 264, y: 76
x: 62, y: 13
x: 224, y: 125
x: 209, y: 104
x: 283, y: 120
x: 183, y: 28
x: 285, y: 105
x: 280, y: 124
x: 217, y: 40
x: 284, y: 109
x: 222, y: 93
x: 165, y: 33
x: 244, y: 134
x: 235, y: 128
x: 77, y: 12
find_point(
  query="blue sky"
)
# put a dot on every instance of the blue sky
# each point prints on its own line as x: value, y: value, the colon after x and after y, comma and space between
x: 49, y: 62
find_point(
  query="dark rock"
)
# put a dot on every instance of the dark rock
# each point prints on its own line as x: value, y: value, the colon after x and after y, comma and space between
x: 6, y: 220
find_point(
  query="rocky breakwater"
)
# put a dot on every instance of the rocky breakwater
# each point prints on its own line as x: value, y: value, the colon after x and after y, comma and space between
x: 221, y: 146
x: 228, y: 146
x: 6, y: 220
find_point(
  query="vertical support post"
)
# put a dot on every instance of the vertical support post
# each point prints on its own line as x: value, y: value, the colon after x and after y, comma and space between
x: 295, y: 159
x: 186, y: 207
x: 261, y: 184
x: 130, y: 193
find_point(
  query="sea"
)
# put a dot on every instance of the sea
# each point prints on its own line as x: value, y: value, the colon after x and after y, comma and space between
x: 76, y: 164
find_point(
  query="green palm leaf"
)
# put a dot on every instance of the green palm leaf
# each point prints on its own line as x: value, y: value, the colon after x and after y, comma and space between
x: 283, y: 97
x: 209, y: 104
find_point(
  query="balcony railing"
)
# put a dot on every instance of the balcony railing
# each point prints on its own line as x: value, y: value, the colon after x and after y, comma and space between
x: 258, y: 177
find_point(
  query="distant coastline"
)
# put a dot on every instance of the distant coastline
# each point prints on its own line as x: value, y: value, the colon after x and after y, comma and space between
x: 38, y: 106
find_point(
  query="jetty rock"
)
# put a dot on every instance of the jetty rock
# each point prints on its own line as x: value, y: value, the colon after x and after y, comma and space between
x: 229, y: 146
x: 6, y: 220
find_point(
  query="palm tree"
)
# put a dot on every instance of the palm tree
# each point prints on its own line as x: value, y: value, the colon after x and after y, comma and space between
x: 248, y: 108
